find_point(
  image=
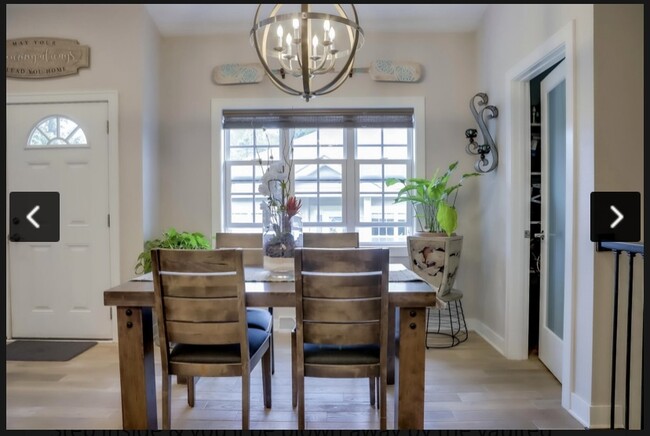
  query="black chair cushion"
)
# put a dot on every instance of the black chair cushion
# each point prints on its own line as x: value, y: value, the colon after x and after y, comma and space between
x: 341, y: 355
x: 217, y: 353
x: 259, y: 318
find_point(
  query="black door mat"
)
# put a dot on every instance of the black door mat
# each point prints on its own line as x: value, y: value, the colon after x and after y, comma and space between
x: 46, y: 351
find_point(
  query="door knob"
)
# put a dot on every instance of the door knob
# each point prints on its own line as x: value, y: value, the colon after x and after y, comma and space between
x: 539, y: 235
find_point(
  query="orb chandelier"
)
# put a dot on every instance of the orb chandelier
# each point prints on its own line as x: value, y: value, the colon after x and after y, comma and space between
x: 301, y: 48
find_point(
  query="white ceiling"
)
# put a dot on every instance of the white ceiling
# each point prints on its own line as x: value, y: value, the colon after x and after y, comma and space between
x: 203, y: 19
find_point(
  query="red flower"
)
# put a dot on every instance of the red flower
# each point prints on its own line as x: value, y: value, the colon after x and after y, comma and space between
x: 293, y: 206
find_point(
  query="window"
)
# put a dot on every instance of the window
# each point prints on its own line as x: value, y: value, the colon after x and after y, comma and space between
x: 339, y: 171
x: 56, y: 131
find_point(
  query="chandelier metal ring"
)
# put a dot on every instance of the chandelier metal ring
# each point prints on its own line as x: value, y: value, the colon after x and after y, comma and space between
x: 300, y: 54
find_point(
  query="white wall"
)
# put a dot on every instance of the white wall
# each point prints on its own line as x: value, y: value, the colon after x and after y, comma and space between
x: 618, y: 142
x: 150, y: 129
x: 508, y: 34
x: 118, y: 39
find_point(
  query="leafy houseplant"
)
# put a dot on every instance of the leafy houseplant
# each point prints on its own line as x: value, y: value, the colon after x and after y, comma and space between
x: 170, y: 239
x: 433, y: 201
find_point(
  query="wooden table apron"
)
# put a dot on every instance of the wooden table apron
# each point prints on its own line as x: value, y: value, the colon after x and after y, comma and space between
x: 134, y: 302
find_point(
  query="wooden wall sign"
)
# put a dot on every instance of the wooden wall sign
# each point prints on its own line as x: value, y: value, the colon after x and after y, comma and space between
x: 236, y: 74
x: 41, y: 57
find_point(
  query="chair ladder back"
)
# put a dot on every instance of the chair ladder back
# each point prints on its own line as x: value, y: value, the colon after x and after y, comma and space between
x: 330, y: 240
x: 250, y: 243
x: 196, y: 305
x: 340, y: 294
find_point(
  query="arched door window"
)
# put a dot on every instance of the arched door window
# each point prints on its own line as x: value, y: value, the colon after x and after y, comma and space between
x: 55, y: 132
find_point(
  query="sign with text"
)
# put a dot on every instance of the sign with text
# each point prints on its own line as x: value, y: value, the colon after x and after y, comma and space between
x: 41, y: 58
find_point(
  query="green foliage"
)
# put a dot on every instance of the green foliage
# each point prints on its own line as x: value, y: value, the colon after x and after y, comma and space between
x: 431, y: 199
x: 170, y: 239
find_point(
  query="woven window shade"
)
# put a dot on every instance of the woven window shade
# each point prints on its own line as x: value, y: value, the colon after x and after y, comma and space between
x: 324, y: 118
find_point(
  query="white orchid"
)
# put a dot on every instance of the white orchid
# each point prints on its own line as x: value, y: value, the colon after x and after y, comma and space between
x: 281, y: 205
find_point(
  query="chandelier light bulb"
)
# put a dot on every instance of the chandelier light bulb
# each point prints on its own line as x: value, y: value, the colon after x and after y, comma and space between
x: 279, y: 32
x: 289, y: 40
x: 296, y: 30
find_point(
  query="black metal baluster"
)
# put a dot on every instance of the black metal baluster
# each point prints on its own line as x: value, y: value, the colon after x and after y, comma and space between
x: 629, y: 340
x: 614, y: 341
x: 643, y: 356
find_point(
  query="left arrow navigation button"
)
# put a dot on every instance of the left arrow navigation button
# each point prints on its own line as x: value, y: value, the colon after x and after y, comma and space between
x: 36, y: 216
x: 30, y: 217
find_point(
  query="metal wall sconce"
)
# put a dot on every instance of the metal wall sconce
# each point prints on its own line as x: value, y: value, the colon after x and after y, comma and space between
x: 489, y: 157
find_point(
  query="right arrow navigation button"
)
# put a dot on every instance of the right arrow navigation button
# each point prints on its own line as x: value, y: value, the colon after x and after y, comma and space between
x: 619, y: 217
x: 615, y: 216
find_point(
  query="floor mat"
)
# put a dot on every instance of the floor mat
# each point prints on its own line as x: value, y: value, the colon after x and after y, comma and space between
x: 53, y: 351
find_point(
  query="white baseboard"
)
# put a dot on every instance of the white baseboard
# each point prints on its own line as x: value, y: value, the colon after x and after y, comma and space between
x: 498, y: 342
x: 584, y: 413
x: 600, y: 417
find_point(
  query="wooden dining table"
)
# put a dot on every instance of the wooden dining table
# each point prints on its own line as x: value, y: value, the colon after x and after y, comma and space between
x: 134, y: 300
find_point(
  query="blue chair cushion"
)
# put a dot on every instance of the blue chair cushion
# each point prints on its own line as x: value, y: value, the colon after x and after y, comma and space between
x: 341, y: 355
x: 217, y: 353
x: 259, y: 318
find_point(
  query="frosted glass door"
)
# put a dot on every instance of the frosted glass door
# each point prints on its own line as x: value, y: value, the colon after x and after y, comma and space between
x: 553, y: 107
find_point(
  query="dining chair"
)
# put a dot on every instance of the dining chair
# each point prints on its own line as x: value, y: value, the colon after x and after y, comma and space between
x: 251, y: 245
x: 445, y: 323
x: 341, y: 318
x: 328, y: 240
x: 199, y: 296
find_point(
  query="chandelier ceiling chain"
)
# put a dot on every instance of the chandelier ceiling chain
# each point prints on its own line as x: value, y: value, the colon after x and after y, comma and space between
x: 300, y: 50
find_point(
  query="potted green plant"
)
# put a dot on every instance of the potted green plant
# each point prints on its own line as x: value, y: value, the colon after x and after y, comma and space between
x: 432, y: 199
x: 434, y: 252
x: 170, y: 239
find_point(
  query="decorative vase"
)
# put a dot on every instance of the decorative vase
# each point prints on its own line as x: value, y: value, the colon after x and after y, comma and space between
x: 281, y: 235
x: 435, y: 257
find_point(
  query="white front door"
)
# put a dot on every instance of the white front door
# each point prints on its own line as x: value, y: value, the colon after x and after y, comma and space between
x: 56, y: 288
x: 553, y: 219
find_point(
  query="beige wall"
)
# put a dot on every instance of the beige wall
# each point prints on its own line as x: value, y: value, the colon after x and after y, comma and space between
x: 608, y: 79
x: 509, y: 33
x: 119, y: 37
x: 618, y: 161
x: 151, y: 65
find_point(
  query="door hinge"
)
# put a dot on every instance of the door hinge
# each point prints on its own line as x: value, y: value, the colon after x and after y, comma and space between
x: 107, y: 127
x: 108, y: 219
x: 110, y: 312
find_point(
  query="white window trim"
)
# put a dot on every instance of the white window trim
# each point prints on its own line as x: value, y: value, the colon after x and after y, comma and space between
x: 218, y: 105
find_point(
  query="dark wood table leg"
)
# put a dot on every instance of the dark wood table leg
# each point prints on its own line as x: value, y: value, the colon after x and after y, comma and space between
x: 409, y: 372
x: 137, y: 371
x: 390, y: 379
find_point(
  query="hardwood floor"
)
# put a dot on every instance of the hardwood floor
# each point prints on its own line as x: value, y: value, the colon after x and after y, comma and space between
x: 467, y: 387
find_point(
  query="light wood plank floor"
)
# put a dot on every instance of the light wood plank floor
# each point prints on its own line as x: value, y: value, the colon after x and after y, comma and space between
x: 470, y: 386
